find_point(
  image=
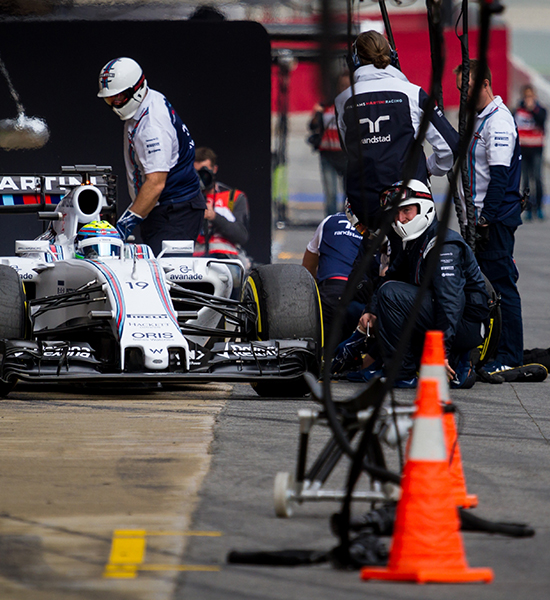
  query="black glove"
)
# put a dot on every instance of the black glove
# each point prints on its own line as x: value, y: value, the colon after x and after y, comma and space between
x: 482, y: 235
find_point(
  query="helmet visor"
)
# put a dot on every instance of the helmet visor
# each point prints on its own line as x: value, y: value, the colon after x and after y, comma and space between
x: 98, y: 248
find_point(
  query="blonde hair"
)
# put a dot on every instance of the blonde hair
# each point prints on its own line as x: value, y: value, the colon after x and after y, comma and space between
x: 373, y: 48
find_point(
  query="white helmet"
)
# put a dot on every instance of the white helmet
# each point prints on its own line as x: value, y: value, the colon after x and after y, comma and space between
x: 123, y: 75
x: 415, y: 193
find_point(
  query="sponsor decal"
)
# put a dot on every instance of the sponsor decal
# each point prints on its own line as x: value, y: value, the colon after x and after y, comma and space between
x: 185, y: 277
x: 374, y: 126
x: 143, y: 316
x: 72, y: 352
x: 55, y: 184
x: 377, y: 139
x: 196, y: 355
x: 140, y: 335
x: 243, y: 351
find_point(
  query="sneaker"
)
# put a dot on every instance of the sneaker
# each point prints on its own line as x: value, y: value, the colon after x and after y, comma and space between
x: 364, y: 375
x: 540, y: 214
x: 496, y: 367
x: 482, y: 375
x: 465, y: 375
x: 528, y: 215
x: 406, y: 384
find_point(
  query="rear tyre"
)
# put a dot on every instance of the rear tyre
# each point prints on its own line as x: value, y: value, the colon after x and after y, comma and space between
x: 12, y: 313
x: 287, y: 307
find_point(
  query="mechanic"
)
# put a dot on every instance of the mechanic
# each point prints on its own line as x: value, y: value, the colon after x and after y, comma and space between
x: 329, y: 257
x: 325, y: 139
x: 530, y: 117
x: 159, y: 153
x: 378, y: 119
x: 494, y: 167
x: 456, y: 303
x: 226, y: 215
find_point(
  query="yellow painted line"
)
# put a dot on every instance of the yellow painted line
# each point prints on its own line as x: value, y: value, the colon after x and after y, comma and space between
x: 128, y: 553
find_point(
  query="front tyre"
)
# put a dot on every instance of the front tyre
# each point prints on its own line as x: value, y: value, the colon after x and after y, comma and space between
x: 12, y: 313
x: 287, y: 306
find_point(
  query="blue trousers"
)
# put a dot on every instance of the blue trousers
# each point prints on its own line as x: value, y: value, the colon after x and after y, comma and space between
x: 395, y: 300
x: 497, y: 263
x: 179, y: 221
x: 531, y: 175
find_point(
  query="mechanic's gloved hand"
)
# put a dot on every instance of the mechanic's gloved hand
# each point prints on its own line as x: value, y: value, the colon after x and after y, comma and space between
x: 482, y: 236
x: 348, y: 353
x: 127, y: 223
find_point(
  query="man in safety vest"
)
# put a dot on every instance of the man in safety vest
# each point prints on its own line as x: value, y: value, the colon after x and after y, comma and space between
x: 226, y: 215
x: 530, y: 118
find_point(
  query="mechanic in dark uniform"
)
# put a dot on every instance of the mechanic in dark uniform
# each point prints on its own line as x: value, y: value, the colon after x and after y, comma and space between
x: 159, y: 154
x: 457, y: 301
x: 329, y: 257
x: 378, y: 120
x: 227, y: 214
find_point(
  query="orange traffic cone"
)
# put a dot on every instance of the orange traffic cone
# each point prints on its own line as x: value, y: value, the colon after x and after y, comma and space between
x: 433, y: 365
x: 426, y: 544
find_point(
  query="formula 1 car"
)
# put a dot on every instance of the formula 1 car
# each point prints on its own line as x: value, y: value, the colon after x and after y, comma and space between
x: 120, y: 314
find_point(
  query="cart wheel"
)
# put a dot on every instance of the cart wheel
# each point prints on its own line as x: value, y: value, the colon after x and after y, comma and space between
x: 283, y: 493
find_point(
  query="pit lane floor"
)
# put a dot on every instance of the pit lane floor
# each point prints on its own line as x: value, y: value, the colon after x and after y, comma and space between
x: 97, y: 490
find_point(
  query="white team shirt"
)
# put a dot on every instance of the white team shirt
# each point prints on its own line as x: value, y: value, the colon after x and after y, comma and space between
x: 492, y: 144
x: 150, y: 142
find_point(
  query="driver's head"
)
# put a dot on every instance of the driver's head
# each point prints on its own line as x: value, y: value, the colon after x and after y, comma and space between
x: 98, y: 240
x: 123, y: 86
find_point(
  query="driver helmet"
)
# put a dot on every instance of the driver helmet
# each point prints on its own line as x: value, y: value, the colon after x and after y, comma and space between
x: 123, y: 75
x: 417, y: 193
x: 98, y: 240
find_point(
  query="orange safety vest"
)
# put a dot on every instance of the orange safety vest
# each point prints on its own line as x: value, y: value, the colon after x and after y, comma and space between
x: 216, y: 243
x: 330, y: 140
x: 530, y: 134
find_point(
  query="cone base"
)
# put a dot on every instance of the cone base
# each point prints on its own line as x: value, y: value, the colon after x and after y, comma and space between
x: 467, y: 501
x: 429, y: 575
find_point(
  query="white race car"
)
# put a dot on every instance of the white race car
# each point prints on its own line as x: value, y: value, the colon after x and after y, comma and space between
x: 101, y: 311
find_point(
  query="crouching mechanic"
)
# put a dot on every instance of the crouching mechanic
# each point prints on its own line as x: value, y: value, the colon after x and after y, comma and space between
x: 457, y: 298
x: 159, y: 153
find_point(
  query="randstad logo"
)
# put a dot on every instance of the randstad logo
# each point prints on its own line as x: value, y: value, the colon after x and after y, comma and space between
x: 377, y: 139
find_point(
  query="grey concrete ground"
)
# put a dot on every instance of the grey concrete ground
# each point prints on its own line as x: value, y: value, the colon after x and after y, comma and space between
x: 505, y: 444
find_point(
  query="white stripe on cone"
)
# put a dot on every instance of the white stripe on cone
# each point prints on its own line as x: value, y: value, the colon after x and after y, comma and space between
x: 437, y: 372
x: 428, y: 440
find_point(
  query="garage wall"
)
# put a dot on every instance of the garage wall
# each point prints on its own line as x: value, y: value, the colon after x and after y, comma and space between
x: 216, y: 75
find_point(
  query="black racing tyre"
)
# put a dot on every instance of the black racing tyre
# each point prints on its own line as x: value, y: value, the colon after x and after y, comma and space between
x: 488, y: 348
x: 287, y: 307
x: 12, y: 313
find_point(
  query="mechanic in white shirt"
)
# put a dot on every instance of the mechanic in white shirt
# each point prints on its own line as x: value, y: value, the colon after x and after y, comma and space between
x: 494, y: 170
x: 158, y: 153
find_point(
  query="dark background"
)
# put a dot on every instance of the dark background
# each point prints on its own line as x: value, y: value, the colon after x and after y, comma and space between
x: 215, y: 74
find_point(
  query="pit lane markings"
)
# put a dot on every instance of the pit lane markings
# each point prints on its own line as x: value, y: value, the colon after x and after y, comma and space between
x: 128, y: 553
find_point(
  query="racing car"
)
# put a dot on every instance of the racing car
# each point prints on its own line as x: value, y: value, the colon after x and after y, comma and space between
x: 95, y: 310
